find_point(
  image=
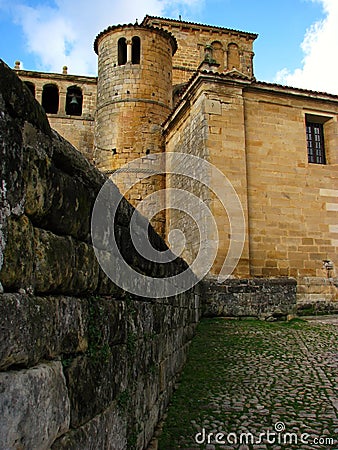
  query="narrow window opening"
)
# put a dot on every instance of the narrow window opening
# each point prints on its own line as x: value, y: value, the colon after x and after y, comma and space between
x: 122, y: 51
x: 31, y: 87
x: 218, y: 54
x: 50, y: 98
x: 74, y: 100
x: 136, y: 50
x: 233, y: 56
x: 315, y: 143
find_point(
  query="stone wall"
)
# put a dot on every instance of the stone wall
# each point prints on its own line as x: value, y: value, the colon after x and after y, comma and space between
x: 292, y: 204
x: 78, y: 130
x: 193, y: 38
x: 291, y: 225
x: 134, y: 99
x: 83, y: 364
x: 210, y: 126
x: 258, y: 297
x: 189, y: 137
x: 256, y: 135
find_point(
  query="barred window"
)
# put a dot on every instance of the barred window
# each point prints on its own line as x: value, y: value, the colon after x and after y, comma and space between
x: 315, y: 143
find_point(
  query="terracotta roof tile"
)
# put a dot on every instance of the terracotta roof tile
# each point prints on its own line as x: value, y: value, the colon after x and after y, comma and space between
x: 136, y: 25
x: 196, y: 24
x: 232, y: 74
x: 235, y: 74
x: 292, y: 88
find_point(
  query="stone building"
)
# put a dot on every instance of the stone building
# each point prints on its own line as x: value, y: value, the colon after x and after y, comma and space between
x: 172, y: 86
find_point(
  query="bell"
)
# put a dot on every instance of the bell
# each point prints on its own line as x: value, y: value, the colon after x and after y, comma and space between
x: 74, y: 101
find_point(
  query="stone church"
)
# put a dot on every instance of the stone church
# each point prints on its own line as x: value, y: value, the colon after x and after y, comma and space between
x: 172, y: 86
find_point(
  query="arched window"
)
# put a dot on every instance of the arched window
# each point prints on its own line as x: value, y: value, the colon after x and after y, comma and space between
x: 218, y: 54
x: 136, y: 50
x: 50, y: 98
x: 233, y: 57
x: 31, y: 87
x: 122, y: 51
x: 74, y: 101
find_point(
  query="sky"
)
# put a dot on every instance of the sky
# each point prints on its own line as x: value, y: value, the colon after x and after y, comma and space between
x: 297, y: 43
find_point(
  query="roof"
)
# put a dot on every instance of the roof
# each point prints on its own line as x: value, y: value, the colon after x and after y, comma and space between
x: 229, y: 75
x: 235, y: 75
x: 178, y: 23
x: 56, y: 76
x: 136, y: 26
x: 294, y: 90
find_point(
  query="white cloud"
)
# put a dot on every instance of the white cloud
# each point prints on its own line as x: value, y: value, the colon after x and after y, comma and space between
x: 320, y: 64
x: 64, y: 34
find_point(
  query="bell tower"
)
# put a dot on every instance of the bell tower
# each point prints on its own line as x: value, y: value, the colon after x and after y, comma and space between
x: 134, y: 97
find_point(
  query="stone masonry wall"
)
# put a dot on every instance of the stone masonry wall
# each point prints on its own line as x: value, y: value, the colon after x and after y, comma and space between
x: 293, y: 204
x: 133, y: 101
x: 192, y: 39
x: 256, y: 135
x: 78, y: 130
x: 258, y: 297
x: 226, y: 144
x: 211, y: 127
x: 188, y: 138
x: 83, y: 364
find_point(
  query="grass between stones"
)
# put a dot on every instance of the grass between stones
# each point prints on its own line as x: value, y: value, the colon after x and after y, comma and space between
x: 245, y: 376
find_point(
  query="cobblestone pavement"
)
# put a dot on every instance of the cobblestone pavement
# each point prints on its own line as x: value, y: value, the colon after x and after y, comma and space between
x: 257, y: 385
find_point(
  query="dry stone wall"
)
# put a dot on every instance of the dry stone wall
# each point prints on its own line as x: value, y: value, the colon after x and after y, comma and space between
x: 83, y: 364
x: 269, y: 298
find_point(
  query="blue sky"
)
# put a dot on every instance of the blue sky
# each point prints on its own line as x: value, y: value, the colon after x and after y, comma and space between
x: 296, y: 45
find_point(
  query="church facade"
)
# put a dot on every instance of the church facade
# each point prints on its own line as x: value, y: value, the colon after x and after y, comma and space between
x: 171, y: 86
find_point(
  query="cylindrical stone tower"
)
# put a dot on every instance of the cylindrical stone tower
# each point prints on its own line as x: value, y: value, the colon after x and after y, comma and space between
x: 134, y: 97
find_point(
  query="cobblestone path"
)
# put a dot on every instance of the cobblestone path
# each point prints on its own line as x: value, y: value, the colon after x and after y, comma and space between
x: 257, y: 385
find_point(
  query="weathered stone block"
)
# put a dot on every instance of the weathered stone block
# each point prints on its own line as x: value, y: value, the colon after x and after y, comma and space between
x: 19, y: 101
x: 69, y: 160
x: 17, y: 269
x: 52, y: 193
x: 105, y: 285
x: 141, y: 318
x: 251, y: 297
x: 94, y: 381
x: 38, y: 195
x: 71, y: 206
x: 63, y: 265
x: 34, y: 407
x: 106, y: 431
x: 107, y: 321
x: 12, y: 187
x: 35, y: 328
